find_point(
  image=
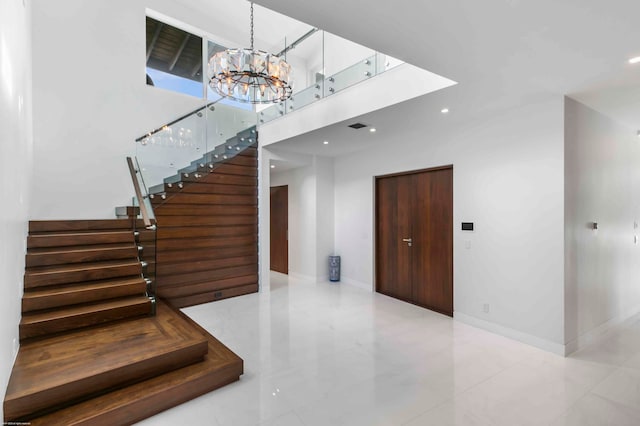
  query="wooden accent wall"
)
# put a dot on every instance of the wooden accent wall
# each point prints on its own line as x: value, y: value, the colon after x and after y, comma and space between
x: 207, y: 246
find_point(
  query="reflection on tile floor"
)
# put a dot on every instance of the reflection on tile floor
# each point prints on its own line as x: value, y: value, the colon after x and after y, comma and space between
x: 334, y: 354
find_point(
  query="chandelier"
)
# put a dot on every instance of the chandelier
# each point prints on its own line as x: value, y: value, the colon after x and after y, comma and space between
x: 249, y: 75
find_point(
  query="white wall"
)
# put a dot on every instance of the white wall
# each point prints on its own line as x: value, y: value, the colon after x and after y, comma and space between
x: 16, y: 156
x: 602, y: 182
x: 91, y: 100
x: 508, y: 173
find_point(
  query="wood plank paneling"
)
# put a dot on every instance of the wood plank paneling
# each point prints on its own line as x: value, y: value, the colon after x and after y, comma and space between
x: 172, y: 268
x: 197, y: 299
x: 213, y: 275
x: 178, y: 256
x: 219, y: 199
x: 205, y: 243
x: 206, y: 209
x: 208, y: 231
x: 220, y: 220
x: 207, y: 286
x: 205, y: 188
x: 207, y: 239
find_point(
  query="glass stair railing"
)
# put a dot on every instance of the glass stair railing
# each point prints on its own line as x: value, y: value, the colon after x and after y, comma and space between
x: 179, y: 151
x: 194, y: 144
x: 331, y: 65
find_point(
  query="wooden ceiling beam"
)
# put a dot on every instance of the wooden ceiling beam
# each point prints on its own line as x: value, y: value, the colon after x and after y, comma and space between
x: 154, y: 40
x: 174, y: 61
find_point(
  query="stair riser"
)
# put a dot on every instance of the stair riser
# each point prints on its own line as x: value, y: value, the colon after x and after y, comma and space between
x: 32, y: 405
x: 56, y: 278
x: 36, y: 303
x: 40, y: 241
x: 49, y: 259
x: 30, y: 330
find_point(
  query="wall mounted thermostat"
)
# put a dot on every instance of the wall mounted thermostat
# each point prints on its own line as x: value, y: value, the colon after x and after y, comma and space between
x: 467, y: 226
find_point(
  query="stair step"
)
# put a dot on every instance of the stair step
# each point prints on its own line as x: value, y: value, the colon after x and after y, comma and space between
x: 79, y: 272
x: 79, y: 238
x: 36, y: 324
x: 139, y: 401
x: 53, y: 373
x: 77, y: 254
x: 56, y: 296
x: 78, y: 225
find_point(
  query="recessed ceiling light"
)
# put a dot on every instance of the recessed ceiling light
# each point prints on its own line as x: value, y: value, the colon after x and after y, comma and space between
x: 444, y: 110
x: 634, y: 60
x: 637, y: 133
x: 372, y: 130
x: 326, y: 142
x: 273, y: 167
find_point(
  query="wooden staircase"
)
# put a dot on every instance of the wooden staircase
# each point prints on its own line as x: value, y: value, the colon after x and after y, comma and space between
x: 81, y: 273
x: 91, y: 350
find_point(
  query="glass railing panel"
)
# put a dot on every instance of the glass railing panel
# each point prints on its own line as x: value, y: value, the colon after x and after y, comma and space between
x: 352, y: 61
x: 306, y: 56
x: 172, y: 147
x: 354, y: 74
x: 224, y: 122
x: 271, y: 113
x: 386, y: 62
x: 304, y: 98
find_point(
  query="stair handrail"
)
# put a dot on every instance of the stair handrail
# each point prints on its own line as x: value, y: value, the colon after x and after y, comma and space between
x: 171, y: 123
x: 136, y: 185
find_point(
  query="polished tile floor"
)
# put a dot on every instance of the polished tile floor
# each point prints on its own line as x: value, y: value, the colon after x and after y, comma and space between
x: 334, y: 354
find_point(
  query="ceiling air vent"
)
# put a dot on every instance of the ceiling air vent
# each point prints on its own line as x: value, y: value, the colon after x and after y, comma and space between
x: 357, y: 125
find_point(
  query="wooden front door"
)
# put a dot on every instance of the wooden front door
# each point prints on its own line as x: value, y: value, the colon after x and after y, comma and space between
x: 414, y: 238
x: 279, y: 229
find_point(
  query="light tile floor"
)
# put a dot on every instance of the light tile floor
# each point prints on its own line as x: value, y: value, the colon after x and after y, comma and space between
x: 334, y: 354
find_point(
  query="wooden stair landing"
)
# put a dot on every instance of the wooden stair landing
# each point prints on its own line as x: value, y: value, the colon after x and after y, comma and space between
x: 138, y: 401
x: 56, y: 371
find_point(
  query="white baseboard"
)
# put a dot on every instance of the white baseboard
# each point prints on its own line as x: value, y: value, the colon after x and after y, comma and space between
x: 603, y: 330
x: 356, y: 283
x: 302, y: 277
x: 529, y: 339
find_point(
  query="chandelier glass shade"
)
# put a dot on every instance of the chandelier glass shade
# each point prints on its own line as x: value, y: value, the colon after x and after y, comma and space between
x: 249, y: 75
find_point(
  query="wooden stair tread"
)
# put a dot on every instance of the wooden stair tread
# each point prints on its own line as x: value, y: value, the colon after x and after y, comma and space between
x: 136, y: 402
x: 78, y: 248
x: 74, y: 311
x: 80, y: 225
x: 79, y: 287
x: 79, y: 254
x: 60, y: 239
x: 87, y: 266
x: 75, y: 365
x: 70, y: 294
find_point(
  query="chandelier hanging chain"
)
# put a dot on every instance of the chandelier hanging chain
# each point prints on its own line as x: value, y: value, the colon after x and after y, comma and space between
x: 251, y: 25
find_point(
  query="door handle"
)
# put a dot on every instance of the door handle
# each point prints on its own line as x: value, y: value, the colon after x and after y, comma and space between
x: 409, y: 241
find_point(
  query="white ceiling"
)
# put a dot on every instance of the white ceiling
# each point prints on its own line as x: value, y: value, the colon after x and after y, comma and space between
x: 501, y: 52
